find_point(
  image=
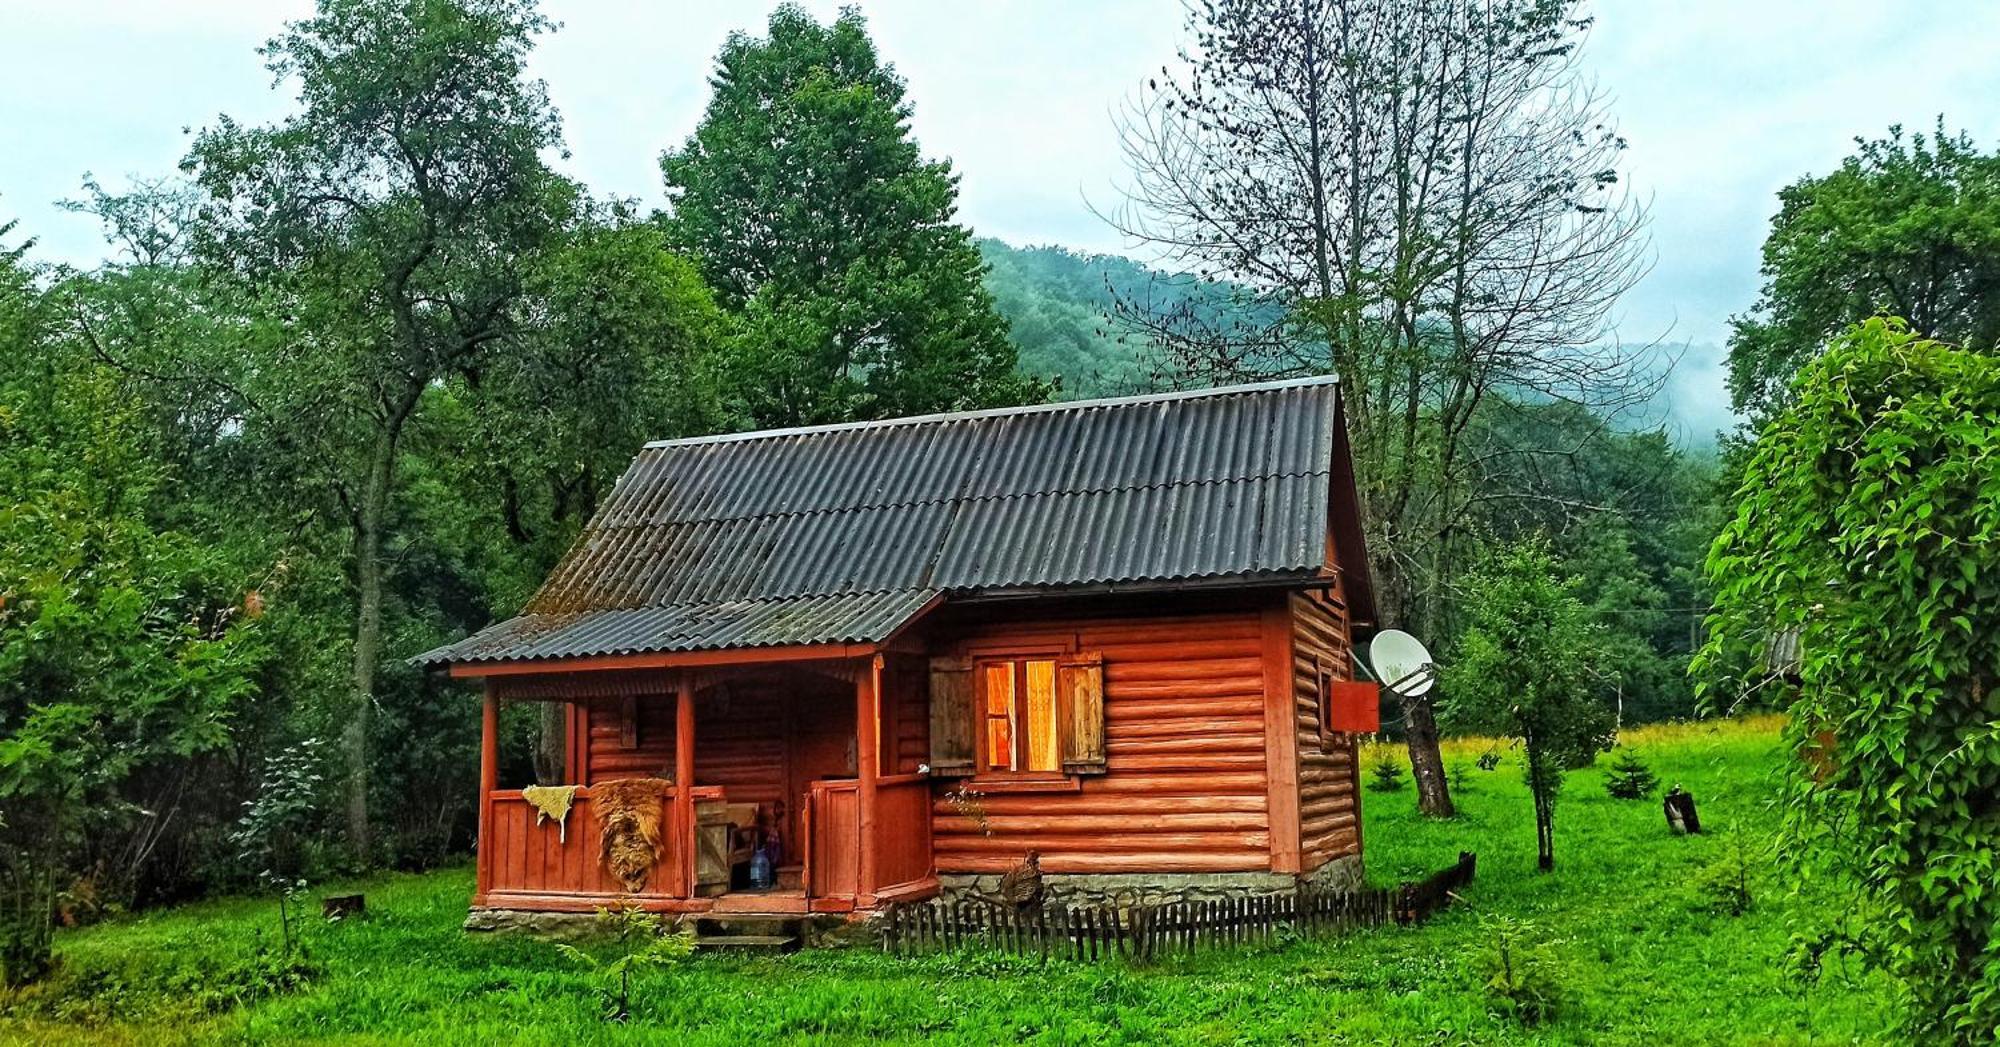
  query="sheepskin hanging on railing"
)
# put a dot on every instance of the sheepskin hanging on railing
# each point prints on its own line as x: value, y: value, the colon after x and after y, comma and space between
x: 628, y: 820
x: 551, y: 802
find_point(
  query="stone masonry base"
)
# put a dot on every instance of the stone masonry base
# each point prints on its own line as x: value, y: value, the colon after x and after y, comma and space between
x: 1158, y: 888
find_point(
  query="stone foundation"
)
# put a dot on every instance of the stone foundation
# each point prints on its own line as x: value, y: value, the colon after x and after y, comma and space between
x: 1157, y: 888
x: 561, y: 926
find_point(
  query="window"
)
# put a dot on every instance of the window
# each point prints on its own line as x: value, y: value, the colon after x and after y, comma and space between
x: 1017, y: 703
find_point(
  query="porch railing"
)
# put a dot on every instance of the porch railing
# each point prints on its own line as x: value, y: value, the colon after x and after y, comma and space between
x: 520, y: 860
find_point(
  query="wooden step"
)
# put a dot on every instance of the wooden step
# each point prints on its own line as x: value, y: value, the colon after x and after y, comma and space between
x: 748, y: 942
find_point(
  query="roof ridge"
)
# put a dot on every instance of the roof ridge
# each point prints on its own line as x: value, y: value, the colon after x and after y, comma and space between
x: 999, y: 412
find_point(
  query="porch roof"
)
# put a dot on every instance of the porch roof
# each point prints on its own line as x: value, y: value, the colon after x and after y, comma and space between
x: 710, y: 626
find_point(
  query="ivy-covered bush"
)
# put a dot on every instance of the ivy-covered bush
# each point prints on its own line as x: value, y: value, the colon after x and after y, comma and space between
x: 1868, y: 520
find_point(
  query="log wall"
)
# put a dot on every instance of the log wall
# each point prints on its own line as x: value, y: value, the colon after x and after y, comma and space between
x: 1329, y: 783
x: 1186, y: 786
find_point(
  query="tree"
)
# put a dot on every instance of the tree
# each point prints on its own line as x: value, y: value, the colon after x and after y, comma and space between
x: 382, y: 229
x: 819, y: 224
x: 1865, y: 521
x: 122, y: 644
x: 1428, y: 194
x: 1909, y: 226
x: 1529, y: 665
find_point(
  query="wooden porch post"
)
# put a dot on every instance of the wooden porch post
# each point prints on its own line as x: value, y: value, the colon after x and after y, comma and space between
x: 868, y: 741
x: 684, y: 782
x: 489, y: 780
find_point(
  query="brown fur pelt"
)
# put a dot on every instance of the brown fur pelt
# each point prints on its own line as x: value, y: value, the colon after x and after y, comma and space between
x: 629, y: 811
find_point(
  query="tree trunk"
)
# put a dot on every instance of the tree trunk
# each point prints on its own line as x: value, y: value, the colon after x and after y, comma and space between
x: 1420, y: 734
x: 1545, y: 833
x: 550, y: 743
x: 368, y: 523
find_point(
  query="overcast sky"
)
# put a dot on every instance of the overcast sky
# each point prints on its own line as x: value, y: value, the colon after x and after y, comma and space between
x: 1724, y: 101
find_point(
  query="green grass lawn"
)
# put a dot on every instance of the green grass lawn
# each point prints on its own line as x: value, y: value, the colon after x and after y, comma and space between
x: 1641, y: 958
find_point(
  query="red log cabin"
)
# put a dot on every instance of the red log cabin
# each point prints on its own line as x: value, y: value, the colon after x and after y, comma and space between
x: 899, y: 656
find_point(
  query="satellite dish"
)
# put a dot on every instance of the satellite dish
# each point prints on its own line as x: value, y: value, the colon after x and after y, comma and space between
x: 1402, y: 663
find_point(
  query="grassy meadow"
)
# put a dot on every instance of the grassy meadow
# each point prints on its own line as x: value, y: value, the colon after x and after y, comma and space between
x: 1636, y: 953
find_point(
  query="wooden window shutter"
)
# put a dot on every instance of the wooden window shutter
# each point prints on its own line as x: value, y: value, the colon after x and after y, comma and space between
x: 1080, y: 684
x: 953, y: 735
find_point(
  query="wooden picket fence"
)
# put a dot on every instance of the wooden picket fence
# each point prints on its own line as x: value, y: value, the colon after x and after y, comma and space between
x: 1143, y: 932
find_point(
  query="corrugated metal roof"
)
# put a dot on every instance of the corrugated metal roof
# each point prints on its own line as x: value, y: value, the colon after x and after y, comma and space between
x: 846, y: 618
x: 1206, y: 485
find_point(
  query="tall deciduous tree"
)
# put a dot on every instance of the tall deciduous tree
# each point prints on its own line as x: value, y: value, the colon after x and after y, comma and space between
x: 1866, y: 521
x: 1531, y: 664
x: 383, y: 227
x: 819, y: 223
x: 1909, y: 226
x: 1428, y: 193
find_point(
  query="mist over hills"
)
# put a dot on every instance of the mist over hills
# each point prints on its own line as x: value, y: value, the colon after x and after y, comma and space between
x: 1059, y: 307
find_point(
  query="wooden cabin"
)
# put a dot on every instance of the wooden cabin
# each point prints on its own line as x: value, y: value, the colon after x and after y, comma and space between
x: 899, y: 656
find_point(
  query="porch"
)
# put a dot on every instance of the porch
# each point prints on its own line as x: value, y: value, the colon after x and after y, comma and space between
x: 803, y: 759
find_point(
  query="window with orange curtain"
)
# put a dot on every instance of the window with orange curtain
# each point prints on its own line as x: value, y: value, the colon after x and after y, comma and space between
x: 1018, y: 704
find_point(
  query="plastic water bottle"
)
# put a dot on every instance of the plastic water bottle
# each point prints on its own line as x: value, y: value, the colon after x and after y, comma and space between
x: 760, y: 869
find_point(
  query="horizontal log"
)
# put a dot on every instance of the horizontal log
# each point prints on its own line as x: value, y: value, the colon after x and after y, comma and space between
x: 1322, y: 826
x: 1187, y: 783
x: 1246, y: 647
x: 1093, y: 803
x: 1189, y: 669
x: 1128, y: 823
x: 1102, y: 843
x: 1127, y: 708
x: 1197, y: 743
x: 1099, y: 634
x: 1185, y: 762
x: 1111, y: 863
x: 1182, y: 726
x: 1231, y: 687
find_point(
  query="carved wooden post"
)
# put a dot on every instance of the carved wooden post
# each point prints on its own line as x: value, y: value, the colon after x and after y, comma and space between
x: 489, y: 780
x: 683, y: 835
x: 868, y: 741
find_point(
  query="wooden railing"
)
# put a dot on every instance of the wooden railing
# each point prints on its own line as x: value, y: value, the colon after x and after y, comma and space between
x: 902, y: 835
x: 521, y: 861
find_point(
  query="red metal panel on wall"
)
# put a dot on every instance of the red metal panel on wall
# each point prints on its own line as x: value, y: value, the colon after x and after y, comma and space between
x: 1356, y: 707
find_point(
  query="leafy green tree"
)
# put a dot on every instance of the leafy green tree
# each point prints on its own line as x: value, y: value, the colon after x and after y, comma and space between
x: 819, y: 224
x: 122, y: 645
x: 1866, y: 521
x: 1531, y: 664
x: 1909, y: 226
x: 382, y: 229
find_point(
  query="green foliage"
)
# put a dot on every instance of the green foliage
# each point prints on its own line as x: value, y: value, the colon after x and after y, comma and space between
x: 1630, y: 778
x: 830, y: 237
x: 1517, y: 972
x: 1385, y: 775
x: 1866, y: 520
x: 1908, y: 226
x: 1530, y: 664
